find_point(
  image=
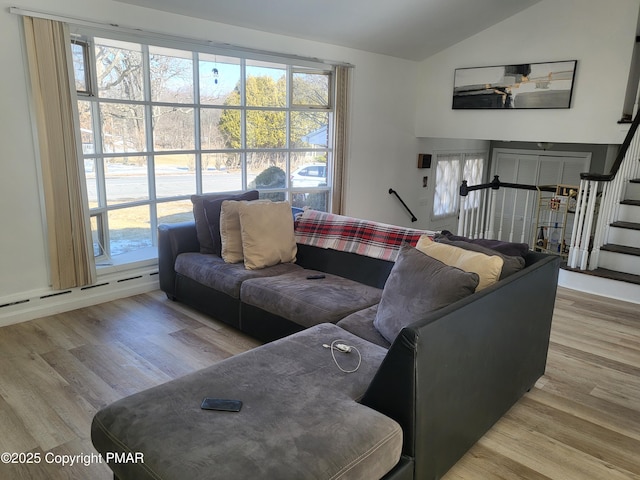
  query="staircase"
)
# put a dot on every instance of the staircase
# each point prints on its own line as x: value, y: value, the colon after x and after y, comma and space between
x: 620, y: 256
x: 604, y: 249
x: 605, y: 241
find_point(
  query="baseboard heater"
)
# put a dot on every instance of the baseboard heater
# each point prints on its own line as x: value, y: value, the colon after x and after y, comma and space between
x: 40, y: 304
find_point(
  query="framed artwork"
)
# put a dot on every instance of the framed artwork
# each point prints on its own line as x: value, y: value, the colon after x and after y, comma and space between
x: 525, y: 86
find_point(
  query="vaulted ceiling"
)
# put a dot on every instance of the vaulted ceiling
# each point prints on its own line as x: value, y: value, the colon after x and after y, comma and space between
x: 410, y: 29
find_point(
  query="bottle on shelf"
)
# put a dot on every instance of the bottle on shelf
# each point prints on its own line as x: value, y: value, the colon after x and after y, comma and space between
x: 554, y: 239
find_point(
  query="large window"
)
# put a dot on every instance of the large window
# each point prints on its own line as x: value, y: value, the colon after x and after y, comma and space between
x: 159, y: 124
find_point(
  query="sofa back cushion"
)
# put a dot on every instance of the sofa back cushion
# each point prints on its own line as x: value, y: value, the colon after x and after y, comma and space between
x: 368, y: 270
x: 419, y: 284
x: 207, y: 217
x: 230, y: 230
x: 267, y: 234
x: 511, y: 265
x: 487, y: 267
x: 506, y: 248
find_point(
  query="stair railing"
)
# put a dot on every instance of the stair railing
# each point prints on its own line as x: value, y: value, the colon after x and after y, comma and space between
x: 479, y: 206
x: 393, y: 192
x: 598, y: 202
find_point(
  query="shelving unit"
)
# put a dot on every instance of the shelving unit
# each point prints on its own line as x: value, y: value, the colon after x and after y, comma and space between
x: 551, y: 235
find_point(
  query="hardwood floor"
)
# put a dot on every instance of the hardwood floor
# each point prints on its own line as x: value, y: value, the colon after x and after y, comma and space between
x: 581, y: 421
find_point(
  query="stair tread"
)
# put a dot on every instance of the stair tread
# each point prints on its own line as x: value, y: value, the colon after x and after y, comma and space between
x: 629, y: 225
x: 611, y: 247
x: 630, y: 202
x: 610, y: 274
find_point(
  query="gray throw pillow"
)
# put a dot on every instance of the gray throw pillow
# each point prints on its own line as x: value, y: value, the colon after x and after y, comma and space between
x: 203, y: 232
x: 419, y: 284
x: 510, y: 266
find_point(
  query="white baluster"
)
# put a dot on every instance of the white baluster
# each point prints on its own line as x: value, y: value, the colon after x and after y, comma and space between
x: 586, y: 234
x: 462, y: 216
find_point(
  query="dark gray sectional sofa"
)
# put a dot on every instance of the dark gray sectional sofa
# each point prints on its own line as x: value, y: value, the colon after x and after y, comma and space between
x: 411, y: 410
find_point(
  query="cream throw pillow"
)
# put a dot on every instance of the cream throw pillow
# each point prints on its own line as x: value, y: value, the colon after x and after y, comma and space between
x: 267, y: 234
x: 230, y: 233
x: 488, y: 267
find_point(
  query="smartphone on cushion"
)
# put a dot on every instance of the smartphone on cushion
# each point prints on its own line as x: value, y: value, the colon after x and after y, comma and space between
x: 221, y: 404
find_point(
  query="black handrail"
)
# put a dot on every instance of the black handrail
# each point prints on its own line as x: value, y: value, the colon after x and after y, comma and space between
x: 496, y: 184
x: 413, y: 217
x: 607, y: 177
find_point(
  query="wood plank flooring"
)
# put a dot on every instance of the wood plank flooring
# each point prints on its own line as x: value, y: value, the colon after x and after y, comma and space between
x: 581, y: 421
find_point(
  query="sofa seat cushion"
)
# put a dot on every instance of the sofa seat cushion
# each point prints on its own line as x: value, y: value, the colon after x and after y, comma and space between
x: 300, y: 418
x: 212, y: 271
x: 360, y: 323
x: 308, y: 302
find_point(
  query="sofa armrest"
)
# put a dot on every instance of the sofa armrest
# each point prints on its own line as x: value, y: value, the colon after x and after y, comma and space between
x: 455, y: 373
x: 173, y: 240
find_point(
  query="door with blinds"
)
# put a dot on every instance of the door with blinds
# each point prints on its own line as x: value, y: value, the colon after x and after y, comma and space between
x: 451, y: 169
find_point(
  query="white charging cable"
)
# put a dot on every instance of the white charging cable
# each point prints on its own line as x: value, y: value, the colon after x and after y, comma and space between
x: 344, y: 348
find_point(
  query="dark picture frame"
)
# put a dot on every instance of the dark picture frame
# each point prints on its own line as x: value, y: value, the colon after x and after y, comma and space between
x: 523, y: 86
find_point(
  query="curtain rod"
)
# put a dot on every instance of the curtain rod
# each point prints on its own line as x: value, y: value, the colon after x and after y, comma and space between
x: 164, y: 36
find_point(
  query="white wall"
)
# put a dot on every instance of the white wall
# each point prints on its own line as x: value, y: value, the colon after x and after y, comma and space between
x: 383, y: 151
x: 382, y: 147
x: 600, y: 35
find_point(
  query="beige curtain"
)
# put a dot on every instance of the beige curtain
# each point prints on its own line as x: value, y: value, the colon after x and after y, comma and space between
x: 341, y: 121
x: 70, y: 251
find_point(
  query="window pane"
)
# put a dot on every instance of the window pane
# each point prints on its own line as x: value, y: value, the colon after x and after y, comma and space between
x: 219, y: 80
x: 445, y: 201
x: 79, y: 57
x: 119, y: 70
x: 266, y: 170
x: 123, y: 128
x: 266, y: 84
x: 126, y: 180
x: 311, y: 89
x: 309, y: 175
x: 129, y: 229
x: 229, y: 129
x: 219, y: 128
x: 309, y: 129
x: 300, y: 163
x: 86, y: 127
x: 97, y: 235
x: 221, y: 172
x: 171, y: 75
x: 175, y: 212
x: 266, y: 129
x: 315, y: 200
x: 173, y: 128
x: 91, y: 178
x: 175, y: 175
x: 473, y: 168
x: 273, y: 196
